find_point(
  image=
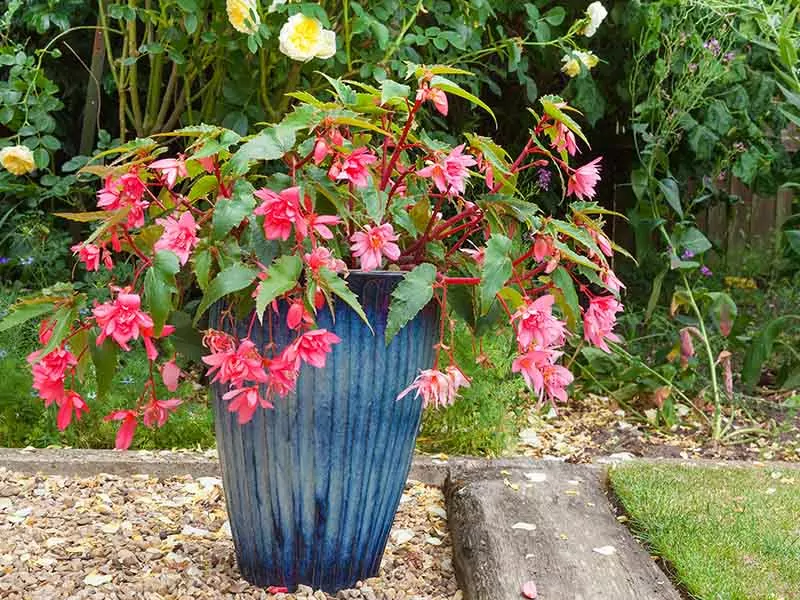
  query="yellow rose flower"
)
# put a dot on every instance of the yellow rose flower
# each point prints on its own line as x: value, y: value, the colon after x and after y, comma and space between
x: 243, y: 15
x: 572, y: 64
x: 303, y: 38
x: 17, y: 160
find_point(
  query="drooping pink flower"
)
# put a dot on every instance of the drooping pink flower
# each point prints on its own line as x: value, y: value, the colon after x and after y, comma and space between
x: 602, y: 242
x: 72, y: 402
x: 531, y: 366
x: 118, y: 192
x: 121, y: 319
x: 170, y: 169
x: 355, y: 167
x: 556, y: 380
x: 450, y: 175
x: 610, y: 279
x: 50, y: 371
x: 319, y: 223
x: 235, y: 366
x: 436, y: 388
x: 536, y: 324
x: 209, y: 163
x: 171, y: 374
x: 687, y: 347
x: 456, y: 377
x: 127, y: 428
x: 280, y: 212
x: 564, y: 139
x: 477, y: 254
x: 89, y: 254
x: 321, y: 257
x: 371, y: 245
x: 157, y: 411
x: 582, y: 181
x: 599, y: 320
x: 312, y: 347
x: 244, y: 401
x: 136, y: 214
x: 321, y: 150
x: 218, y: 341
x: 297, y: 315
x: 179, y: 237
x: 436, y: 96
x: 544, y: 248
x: 283, y: 373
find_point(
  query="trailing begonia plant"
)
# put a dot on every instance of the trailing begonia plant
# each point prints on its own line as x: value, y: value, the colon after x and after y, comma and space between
x: 350, y: 182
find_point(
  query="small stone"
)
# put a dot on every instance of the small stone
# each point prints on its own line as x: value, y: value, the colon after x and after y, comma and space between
x: 304, y: 590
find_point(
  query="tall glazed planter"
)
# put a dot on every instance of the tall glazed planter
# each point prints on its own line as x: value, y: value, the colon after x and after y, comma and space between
x: 312, y: 486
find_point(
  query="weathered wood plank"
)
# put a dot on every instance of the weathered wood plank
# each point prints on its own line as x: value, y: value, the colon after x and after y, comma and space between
x: 572, y: 517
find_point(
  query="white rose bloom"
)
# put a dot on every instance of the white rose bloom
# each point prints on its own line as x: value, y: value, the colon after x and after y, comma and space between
x: 303, y: 38
x: 597, y: 14
x: 243, y: 15
x: 17, y: 160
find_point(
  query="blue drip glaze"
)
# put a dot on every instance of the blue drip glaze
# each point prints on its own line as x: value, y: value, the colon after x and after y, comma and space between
x: 312, y: 486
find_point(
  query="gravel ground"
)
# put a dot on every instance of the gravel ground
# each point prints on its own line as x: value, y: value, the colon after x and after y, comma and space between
x: 139, y: 537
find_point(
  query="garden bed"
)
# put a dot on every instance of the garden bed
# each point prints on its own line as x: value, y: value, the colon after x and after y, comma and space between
x: 143, y: 537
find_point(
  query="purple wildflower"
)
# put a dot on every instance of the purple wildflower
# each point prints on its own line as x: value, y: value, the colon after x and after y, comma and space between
x: 713, y: 46
x: 544, y: 177
x: 705, y: 271
x: 3, y: 260
x: 729, y: 56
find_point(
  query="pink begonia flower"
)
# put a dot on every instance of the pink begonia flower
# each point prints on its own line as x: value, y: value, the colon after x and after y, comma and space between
x: 599, y: 320
x: 297, y: 315
x: 536, y: 324
x: 436, y: 96
x: 245, y: 401
x: 450, y: 174
x: 531, y: 366
x: 312, y: 347
x: 72, y: 402
x: 321, y: 257
x: 436, y: 388
x: 355, y: 167
x: 564, y: 139
x: 477, y: 254
x: 157, y: 412
x: 319, y: 223
x: 136, y: 214
x: 282, y: 374
x: 371, y: 245
x: 610, y: 279
x: 687, y: 347
x: 218, y: 341
x: 122, y: 320
x: 556, y: 379
x: 179, y: 237
x: 126, y: 429
x: 280, y: 212
x: 582, y: 181
x: 148, y: 334
x: 171, y: 169
x: 89, y: 254
x: 602, y: 242
x: 171, y: 374
x: 50, y: 371
x: 321, y: 150
x: 237, y: 366
x: 121, y: 191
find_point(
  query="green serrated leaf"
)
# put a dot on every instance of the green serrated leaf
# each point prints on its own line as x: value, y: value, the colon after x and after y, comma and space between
x: 450, y: 87
x: 160, y: 286
x: 410, y: 296
x: 549, y: 104
x: 228, y: 281
x: 669, y: 188
x: 563, y: 281
x: 393, y: 91
x: 229, y: 213
x: 497, y: 269
x: 337, y: 286
x: 21, y: 313
x: 282, y: 276
x: 104, y: 358
x: 270, y: 144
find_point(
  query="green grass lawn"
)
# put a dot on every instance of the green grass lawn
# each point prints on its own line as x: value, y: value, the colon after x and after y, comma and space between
x: 728, y: 533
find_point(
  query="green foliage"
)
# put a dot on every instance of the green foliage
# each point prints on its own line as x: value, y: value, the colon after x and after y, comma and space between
x: 410, y: 296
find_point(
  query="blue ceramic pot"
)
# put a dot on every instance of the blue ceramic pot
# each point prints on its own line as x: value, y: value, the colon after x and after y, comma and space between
x: 312, y: 486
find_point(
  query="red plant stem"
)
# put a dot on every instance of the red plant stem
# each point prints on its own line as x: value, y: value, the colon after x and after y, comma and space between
x: 459, y: 243
x: 461, y: 280
x: 455, y: 230
x: 135, y: 248
x: 398, y: 149
x: 252, y: 322
x: 504, y: 305
x: 524, y: 257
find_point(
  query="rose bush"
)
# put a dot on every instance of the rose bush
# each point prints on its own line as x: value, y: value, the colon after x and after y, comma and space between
x: 350, y: 182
